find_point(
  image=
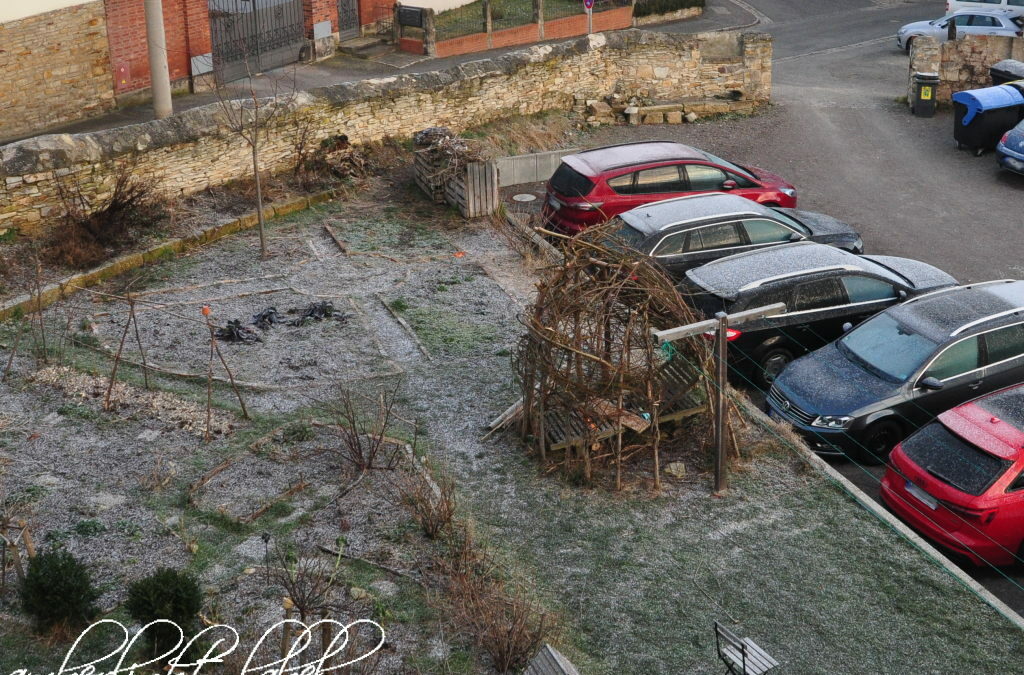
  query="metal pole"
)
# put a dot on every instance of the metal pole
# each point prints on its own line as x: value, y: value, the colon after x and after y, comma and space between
x: 159, y: 77
x: 590, y: 20
x: 721, y: 344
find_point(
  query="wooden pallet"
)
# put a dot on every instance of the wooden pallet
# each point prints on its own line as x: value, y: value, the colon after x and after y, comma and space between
x: 684, y: 398
x: 475, y: 190
x: 427, y: 168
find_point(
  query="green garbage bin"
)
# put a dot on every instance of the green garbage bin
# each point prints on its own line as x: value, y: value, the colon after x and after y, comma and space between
x: 925, y: 87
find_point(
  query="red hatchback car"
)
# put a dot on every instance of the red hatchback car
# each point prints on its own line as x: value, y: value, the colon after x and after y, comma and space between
x: 592, y: 186
x: 960, y: 479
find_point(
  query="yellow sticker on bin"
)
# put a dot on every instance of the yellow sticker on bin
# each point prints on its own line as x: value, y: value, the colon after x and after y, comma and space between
x: 926, y: 93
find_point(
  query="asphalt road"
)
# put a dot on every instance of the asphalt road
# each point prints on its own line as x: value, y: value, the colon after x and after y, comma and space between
x: 856, y: 153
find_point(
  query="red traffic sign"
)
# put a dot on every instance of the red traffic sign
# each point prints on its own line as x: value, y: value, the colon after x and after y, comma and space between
x: 589, y: 4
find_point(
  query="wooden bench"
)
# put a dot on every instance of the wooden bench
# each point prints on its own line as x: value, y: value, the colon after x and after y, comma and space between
x: 741, y: 656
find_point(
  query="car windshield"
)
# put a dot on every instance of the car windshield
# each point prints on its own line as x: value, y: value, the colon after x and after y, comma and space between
x: 621, y: 232
x: 953, y: 460
x: 792, y: 222
x: 887, y: 347
x: 729, y: 165
x: 936, y: 22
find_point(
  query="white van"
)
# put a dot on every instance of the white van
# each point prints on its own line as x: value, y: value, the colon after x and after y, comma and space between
x: 1014, y: 6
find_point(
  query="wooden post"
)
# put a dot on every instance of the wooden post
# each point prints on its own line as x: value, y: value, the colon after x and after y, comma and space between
x: 721, y: 420
x: 538, y: 17
x: 286, y: 634
x: 487, y: 28
x: 396, y: 27
x: 429, y: 33
x: 325, y: 640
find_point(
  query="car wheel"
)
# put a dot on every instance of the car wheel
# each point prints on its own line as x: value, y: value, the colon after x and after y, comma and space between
x: 877, y: 442
x: 771, y: 365
x: 910, y: 41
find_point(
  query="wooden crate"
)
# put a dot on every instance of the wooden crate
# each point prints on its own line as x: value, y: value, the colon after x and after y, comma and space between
x: 474, y: 190
x: 427, y: 168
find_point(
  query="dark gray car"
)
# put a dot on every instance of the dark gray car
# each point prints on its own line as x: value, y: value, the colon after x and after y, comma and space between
x: 863, y: 393
x: 682, y: 233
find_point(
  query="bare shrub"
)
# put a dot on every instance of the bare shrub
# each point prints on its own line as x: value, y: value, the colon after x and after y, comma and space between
x: 503, y: 620
x: 92, y: 229
x: 364, y: 438
x: 308, y: 580
x: 431, y: 502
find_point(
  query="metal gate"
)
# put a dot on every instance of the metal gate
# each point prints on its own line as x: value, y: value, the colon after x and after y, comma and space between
x: 253, y: 36
x: 348, y: 19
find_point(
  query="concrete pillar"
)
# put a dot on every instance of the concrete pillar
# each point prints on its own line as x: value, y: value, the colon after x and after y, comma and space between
x: 159, y: 76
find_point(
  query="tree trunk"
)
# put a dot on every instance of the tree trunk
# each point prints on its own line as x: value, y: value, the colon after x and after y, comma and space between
x: 259, y: 195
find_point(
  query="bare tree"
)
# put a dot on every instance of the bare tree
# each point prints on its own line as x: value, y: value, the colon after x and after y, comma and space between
x: 250, y: 118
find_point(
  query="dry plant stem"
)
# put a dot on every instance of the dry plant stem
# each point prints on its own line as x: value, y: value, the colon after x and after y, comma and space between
x: 117, y: 361
x: 14, y: 351
x: 231, y: 377
x: 209, y: 385
x: 138, y: 340
x: 39, y: 309
x: 380, y: 566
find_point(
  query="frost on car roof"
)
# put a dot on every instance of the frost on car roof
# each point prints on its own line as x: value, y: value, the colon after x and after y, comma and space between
x: 726, y: 276
x: 631, y: 154
x: 1007, y: 405
x: 657, y: 216
x: 939, y: 315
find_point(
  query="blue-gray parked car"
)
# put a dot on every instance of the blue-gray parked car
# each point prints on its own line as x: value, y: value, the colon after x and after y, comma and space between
x: 968, y: 22
x: 1010, y: 150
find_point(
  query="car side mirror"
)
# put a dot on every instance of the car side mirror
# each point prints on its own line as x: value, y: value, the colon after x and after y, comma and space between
x: 902, y: 294
x: 847, y: 326
x: 729, y: 184
x: 796, y: 237
x: 931, y: 383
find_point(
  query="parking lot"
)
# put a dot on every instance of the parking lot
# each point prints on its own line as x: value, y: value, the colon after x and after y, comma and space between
x: 838, y: 132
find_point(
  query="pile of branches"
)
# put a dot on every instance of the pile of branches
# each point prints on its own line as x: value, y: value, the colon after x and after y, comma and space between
x: 446, y: 151
x: 588, y: 366
x: 334, y: 159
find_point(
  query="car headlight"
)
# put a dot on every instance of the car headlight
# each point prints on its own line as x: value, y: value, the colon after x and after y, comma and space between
x: 858, y: 245
x: 832, y: 421
x: 789, y: 192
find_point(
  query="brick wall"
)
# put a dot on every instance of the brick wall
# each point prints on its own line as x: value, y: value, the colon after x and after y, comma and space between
x: 557, y: 29
x: 315, y: 11
x: 54, y: 68
x: 961, y: 64
x: 191, y: 150
x: 186, y: 27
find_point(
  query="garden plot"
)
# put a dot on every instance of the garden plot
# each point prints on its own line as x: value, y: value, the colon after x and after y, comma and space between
x: 637, y: 578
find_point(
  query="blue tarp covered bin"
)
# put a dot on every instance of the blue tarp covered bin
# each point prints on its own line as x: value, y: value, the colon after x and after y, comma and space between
x: 982, y: 116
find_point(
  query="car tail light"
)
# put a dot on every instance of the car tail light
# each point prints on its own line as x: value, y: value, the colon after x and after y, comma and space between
x: 1005, y: 136
x: 730, y: 334
x: 984, y: 516
x: 586, y: 206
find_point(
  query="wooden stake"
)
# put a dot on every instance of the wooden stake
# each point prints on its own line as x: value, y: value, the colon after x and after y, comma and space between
x: 721, y: 418
x: 117, y: 360
x: 138, y: 339
x: 231, y: 377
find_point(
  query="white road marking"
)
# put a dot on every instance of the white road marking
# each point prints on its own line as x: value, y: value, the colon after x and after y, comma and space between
x: 831, y: 50
x: 760, y: 16
x: 718, y: 9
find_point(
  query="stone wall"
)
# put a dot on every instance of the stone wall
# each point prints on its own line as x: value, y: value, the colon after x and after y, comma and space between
x: 961, y: 64
x: 54, y: 67
x: 192, y: 150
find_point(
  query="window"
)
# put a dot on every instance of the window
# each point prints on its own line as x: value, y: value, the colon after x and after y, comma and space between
x: 963, y: 19
x: 1015, y: 3
x: 960, y: 358
x: 1018, y: 482
x: 661, y: 179
x: 622, y: 184
x: 1005, y: 343
x: 714, y: 236
x: 570, y: 183
x: 985, y: 21
x: 770, y: 296
x: 624, y: 234
x: 703, y: 177
x: 954, y: 461
x: 744, y: 182
x: 673, y: 244
x: 866, y: 289
x: 761, y: 231
x: 819, y: 294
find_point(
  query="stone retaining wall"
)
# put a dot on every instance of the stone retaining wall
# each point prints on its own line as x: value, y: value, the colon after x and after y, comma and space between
x: 961, y: 64
x: 54, y: 67
x: 193, y: 150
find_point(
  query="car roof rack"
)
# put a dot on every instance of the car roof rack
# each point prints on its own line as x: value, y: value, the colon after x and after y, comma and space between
x: 985, y: 319
x: 800, y: 273
x: 958, y: 288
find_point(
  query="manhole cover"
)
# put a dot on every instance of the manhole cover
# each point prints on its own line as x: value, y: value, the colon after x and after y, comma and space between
x: 524, y: 197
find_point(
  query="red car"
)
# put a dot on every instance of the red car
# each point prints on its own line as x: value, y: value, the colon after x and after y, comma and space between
x: 592, y: 186
x: 960, y: 479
